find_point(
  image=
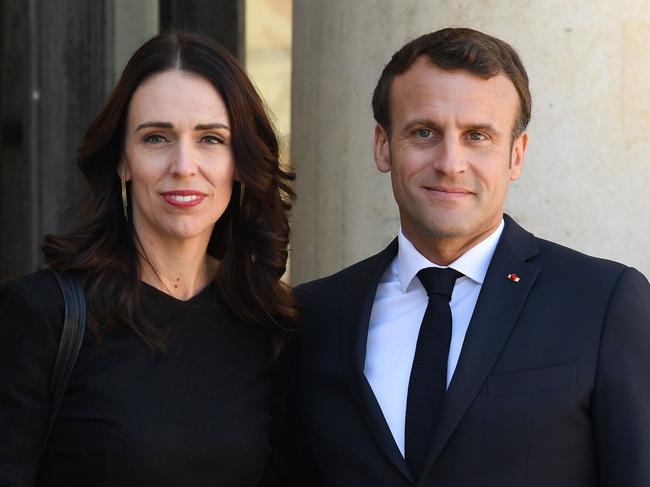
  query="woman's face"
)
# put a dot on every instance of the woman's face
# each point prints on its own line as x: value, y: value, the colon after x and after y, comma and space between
x: 178, y: 157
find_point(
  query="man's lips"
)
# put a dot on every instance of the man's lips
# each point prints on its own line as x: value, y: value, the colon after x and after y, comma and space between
x: 183, y: 198
x: 446, y: 192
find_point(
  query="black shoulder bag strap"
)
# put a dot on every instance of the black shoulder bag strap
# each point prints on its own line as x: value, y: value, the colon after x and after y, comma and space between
x: 74, y: 324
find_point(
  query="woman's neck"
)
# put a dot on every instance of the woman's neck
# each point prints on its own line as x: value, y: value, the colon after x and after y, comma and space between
x: 181, y: 268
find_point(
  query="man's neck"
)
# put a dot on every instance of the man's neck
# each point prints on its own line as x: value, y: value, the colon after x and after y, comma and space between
x: 443, y: 251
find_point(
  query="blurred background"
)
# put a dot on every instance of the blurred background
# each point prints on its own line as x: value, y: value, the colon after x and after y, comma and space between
x: 586, y: 183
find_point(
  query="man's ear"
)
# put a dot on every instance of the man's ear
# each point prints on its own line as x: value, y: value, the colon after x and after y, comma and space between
x: 382, y: 149
x: 517, y: 156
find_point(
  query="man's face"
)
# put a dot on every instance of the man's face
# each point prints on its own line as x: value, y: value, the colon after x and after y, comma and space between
x: 450, y: 154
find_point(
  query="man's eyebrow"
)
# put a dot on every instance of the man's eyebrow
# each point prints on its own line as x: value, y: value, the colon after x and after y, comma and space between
x: 168, y: 125
x: 416, y: 122
x: 481, y: 126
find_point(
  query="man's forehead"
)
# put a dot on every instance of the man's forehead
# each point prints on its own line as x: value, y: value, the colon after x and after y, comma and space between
x: 425, y: 84
x: 424, y: 70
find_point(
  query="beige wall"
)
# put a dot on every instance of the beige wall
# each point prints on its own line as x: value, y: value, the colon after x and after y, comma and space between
x: 587, y: 178
x: 268, y: 56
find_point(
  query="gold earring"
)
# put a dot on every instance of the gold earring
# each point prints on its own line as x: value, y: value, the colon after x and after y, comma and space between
x: 124, y: 201
x: 241, y: 194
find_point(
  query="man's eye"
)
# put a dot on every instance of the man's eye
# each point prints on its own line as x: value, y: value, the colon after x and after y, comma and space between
x: 476, y: 136
x: 211, y: 139
x: 424, y: 133
x: 155, y: 139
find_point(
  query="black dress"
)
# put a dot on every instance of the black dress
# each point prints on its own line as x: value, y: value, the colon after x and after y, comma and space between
x: 198, y: 415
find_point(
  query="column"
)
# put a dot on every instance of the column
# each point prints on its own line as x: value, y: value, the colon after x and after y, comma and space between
x: 586, y: 183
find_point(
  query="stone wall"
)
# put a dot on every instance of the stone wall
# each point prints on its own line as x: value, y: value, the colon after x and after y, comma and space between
x: 586, y: 183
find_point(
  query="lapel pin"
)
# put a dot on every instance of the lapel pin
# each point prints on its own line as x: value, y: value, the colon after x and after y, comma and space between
x: 513, y: 277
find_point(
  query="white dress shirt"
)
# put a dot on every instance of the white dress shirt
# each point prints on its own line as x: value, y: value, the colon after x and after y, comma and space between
x: 395, y: 320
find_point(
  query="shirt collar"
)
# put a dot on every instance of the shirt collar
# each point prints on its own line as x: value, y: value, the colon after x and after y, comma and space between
x: 474, y: 263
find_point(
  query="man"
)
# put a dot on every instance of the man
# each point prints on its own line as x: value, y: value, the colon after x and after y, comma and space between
x: 531, y: 369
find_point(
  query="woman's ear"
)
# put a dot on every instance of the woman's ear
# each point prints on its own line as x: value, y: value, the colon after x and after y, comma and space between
x: 123, y: 171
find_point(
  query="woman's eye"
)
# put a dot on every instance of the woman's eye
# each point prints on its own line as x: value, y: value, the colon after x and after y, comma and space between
x: 424, y: 133
x: 211, y: 139
x: 155, y: 139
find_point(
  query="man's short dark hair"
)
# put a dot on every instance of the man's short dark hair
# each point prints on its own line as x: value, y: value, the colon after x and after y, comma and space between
x: 452, y: 49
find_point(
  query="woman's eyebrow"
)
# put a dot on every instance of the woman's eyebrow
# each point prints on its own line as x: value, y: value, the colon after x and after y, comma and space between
x: 168, y: 125
x: 158, y: 125
x: 210, y: 126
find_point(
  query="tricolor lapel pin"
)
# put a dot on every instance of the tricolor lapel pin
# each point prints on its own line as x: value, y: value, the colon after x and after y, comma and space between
x: 513, y: 277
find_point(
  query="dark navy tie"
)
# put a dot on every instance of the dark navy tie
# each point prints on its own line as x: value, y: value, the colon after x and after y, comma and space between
x: 428, y: 382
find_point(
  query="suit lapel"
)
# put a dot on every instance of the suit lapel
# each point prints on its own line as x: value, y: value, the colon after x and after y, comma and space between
x: 355, y: 310
x: 496, y: 312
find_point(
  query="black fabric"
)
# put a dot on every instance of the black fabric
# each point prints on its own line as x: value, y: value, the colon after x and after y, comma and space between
x: 428, y: 380
x: 551, y: 387
x: 199, y: 414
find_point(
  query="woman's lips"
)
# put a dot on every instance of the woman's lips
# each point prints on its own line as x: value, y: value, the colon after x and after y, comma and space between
x: 183, y: 198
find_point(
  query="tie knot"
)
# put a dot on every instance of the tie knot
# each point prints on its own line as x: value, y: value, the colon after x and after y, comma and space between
x: 437, y: 280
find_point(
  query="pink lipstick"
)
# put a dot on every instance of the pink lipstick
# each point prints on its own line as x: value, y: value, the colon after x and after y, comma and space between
x: 183, y: 198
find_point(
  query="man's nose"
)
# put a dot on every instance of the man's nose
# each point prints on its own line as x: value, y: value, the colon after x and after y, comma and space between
x: 184, y: 159
x: 451, y: 158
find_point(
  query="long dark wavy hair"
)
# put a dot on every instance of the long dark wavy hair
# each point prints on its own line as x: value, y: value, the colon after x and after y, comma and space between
x: 251, y: 237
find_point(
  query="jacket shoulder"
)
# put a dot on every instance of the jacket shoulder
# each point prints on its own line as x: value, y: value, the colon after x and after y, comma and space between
x: 576, y: 272
x: 357, y: 275
x: 573, y: 261
x: 33, y: 302
x: 38, y: 289
x: 333, y: 284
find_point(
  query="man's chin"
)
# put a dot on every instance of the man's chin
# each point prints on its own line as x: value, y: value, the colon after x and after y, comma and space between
x: 449, y: 228
x: 447, y: 225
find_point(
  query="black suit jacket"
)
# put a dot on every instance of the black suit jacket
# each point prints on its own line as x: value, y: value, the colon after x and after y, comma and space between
x: 552, y: 388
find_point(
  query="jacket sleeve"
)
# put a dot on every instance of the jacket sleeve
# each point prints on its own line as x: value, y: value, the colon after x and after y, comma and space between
x: 621, y: 407
x: 28, y: 346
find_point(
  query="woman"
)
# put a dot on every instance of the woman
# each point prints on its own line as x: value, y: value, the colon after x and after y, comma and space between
x: 181, y: 254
